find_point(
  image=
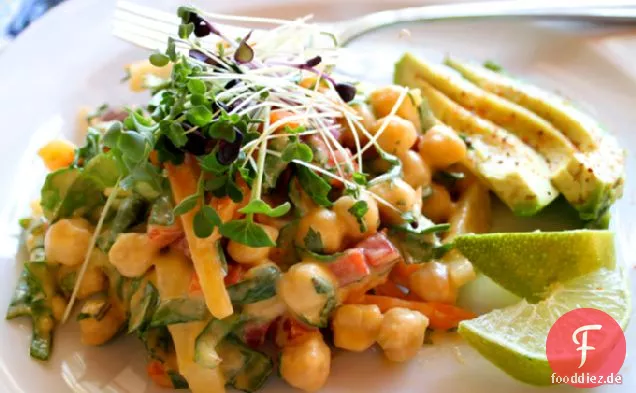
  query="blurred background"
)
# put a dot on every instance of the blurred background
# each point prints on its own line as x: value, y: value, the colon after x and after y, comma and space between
x: 16, y: 15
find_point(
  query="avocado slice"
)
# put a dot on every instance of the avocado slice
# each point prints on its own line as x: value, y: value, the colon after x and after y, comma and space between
x: 515, y: 172
x: 575, y: 174
x: 533, y: 130
x: 595, y: 147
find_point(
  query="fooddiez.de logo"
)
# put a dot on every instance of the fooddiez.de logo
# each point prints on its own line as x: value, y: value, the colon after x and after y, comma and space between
x: 586, y: 348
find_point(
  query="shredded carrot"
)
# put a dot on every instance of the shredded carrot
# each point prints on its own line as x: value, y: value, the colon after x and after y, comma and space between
x: 401, y: 272
x: 441, y: 316
x: 154, y: 157
x: 161, y: 236
x: 278, y: 115
x: 207, y: 263
x: 412, y: 296
x: 390, y: 288
x: 289, y: 331
x: 158, y: 374
x: 235, y: 273
x: 355, y: 296
x: 195, y: 285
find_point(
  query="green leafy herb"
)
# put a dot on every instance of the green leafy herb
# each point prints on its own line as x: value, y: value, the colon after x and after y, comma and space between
x: 440, y: 251
x: 67, y: 190
x: 171, y: 50
x: 128, y: 213
x: 186, y: 204
x: 493, y: 66
x: 175, y: 132
x: 358, y: 210
x: 159, y: 59
x: 313, y: 241
x: 247, y: 232
x: 326, y: 258
x: 315, y: 186
x: 360, y: 178
x: 321, y: 286
x: 196, y: 86
x: 185, y: 30
x: 199, y: 115
x: 297, y: 151
x: 257, y: 206
x: 92, y: 148
x: 258, y: 284
x: 205, y: 220
x: 222, y: 130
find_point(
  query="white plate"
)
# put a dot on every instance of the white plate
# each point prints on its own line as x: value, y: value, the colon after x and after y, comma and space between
x: 69, y: 59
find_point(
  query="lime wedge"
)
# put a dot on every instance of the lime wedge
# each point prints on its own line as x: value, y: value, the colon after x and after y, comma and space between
x: 528, y: 263
x: 514, y: 338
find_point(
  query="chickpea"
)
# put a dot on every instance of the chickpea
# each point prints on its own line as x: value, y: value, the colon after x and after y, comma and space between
x: 438, y: 206
x: 94, y: 280
x: 383, y: 99
x: 460, y: 272
x: 398, y: 137
x: 416, y: 172
x: 369, y: 221
x: 297, y: 289
x: 132, y: 254
x: 306, y: 365
x: 326, y: 224
x: 252, y: 255
x: 97, y: 332
x: 366, y: 118
x: 402, y: 333
x: 58, y: 306
x: 57, y: 154
x: 399, y: 194
x: 441, y: 146
x: 432, y: 283
x: 356, y: 326
x: 67, y: 241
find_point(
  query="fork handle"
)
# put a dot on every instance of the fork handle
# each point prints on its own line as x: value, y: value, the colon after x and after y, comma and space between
x: 606, y: 11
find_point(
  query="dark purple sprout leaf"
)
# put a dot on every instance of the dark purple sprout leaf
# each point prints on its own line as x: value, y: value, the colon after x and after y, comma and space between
x: 231, y: 84
x: 244, y: 53
x: 229, y: 151
x: 196, y: 144
x: 314, y: 61
x: 346, y: 91
x: 202, y: 27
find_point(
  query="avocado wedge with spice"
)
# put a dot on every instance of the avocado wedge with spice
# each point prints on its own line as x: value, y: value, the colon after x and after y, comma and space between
x: 585, y: 179
x: 602, y: 174
x: 515, y: 172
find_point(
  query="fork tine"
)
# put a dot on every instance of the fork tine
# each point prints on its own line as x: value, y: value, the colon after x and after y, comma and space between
x: 147, y: 12
x: 150, y: 28
x: 141, y: 31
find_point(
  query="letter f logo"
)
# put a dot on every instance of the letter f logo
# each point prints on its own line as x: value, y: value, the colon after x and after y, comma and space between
x: 584, y: 347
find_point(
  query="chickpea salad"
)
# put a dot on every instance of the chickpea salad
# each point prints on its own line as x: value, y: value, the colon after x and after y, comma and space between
x: 261, y: 212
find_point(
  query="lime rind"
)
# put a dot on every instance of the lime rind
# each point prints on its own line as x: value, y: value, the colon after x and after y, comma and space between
x: 514, y: 338
x: 528, y: 264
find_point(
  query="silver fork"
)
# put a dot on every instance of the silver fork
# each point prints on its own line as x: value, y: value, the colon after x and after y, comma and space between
x: 150, y: 28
